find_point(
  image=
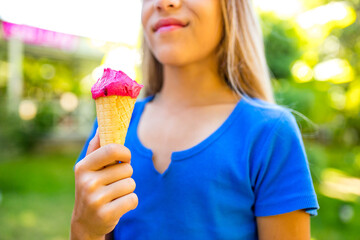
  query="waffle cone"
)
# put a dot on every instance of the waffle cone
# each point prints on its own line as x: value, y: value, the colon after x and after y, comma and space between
x: 114, y: 114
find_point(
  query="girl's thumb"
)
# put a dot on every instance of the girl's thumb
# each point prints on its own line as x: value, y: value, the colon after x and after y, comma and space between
x: 94, y: 143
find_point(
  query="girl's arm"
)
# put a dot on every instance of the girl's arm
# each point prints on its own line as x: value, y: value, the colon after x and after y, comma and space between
x: 293, y: 225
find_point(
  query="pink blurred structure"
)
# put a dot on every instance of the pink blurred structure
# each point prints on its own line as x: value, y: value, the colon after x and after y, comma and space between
x: 38, y: 36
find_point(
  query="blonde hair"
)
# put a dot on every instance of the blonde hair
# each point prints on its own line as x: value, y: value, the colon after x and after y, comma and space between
x: 241, y: 55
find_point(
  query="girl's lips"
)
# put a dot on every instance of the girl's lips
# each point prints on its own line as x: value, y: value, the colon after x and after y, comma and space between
x: 168, y: 28
x: 168, y: 24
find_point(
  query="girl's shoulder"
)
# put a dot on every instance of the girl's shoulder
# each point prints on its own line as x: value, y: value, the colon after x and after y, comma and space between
x: 261, y: 116
x: 265, y: 111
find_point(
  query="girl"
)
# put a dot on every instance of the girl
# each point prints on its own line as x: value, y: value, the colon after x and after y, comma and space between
x: 212, y: 155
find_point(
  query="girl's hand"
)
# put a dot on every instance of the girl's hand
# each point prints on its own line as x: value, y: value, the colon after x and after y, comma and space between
x: 103, y: 190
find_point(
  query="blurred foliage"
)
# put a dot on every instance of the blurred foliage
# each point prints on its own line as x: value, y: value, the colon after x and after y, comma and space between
x: 47, y: 74
x: 328, y: 113
x: 13, y: 136
x: 281, y: 45
x: 18, y: 136
x: 333, y: 107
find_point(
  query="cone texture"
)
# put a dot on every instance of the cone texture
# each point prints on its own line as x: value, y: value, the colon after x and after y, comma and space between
x: 114, y: 114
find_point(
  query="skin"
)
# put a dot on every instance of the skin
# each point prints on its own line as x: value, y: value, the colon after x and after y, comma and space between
x: 293, y: 225
x: 103, y: 190
x: 192, y: 93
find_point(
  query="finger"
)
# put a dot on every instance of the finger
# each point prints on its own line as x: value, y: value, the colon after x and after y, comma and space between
x: 114, y: 173
x: 94, y: 143
x: 118, y: 207
x: 106, y: 155
x: 118, y: 189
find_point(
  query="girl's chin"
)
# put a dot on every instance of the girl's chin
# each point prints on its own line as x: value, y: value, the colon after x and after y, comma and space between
x: 172, y: 60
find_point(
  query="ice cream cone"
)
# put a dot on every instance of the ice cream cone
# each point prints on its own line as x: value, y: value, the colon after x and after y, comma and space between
x: 114, y: 114
x: 115, y: 96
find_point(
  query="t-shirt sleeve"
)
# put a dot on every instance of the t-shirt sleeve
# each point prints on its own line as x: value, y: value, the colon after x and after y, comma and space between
x: 282, y: 180
x: 92, y: 134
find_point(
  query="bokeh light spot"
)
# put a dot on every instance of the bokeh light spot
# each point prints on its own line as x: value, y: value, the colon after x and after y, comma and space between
x: 28, y: 219
x: 282, y: 8
x: 337, y: 97
x: 336, y: 70
x: 346, y: 213
x: 47, y: 71
x: 69, y: 101
x: 338, y: 13
x: 302, y: 72
x: 27, y: 110
x: 336, y: 184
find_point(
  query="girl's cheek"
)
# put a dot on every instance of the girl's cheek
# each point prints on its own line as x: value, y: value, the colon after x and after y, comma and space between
x: 145, y: 12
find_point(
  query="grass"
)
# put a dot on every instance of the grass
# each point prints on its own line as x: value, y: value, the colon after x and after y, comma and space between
x: 37, y: 195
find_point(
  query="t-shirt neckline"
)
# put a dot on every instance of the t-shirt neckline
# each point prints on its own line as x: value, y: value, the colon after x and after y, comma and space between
x: 183, y: 154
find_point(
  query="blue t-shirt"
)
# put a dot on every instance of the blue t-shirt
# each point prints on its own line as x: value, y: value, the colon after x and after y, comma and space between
x: 253, y: 165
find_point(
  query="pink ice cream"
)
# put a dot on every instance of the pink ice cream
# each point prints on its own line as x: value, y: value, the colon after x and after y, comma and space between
x: 115, y: 83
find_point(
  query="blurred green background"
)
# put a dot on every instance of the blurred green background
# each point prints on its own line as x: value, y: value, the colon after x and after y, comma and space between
x: 313, y: 51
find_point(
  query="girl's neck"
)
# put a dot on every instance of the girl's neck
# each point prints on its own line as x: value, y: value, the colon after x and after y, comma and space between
x: 195, y: 84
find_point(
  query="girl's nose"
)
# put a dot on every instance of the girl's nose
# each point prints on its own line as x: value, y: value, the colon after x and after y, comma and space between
x: 167, y: 4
